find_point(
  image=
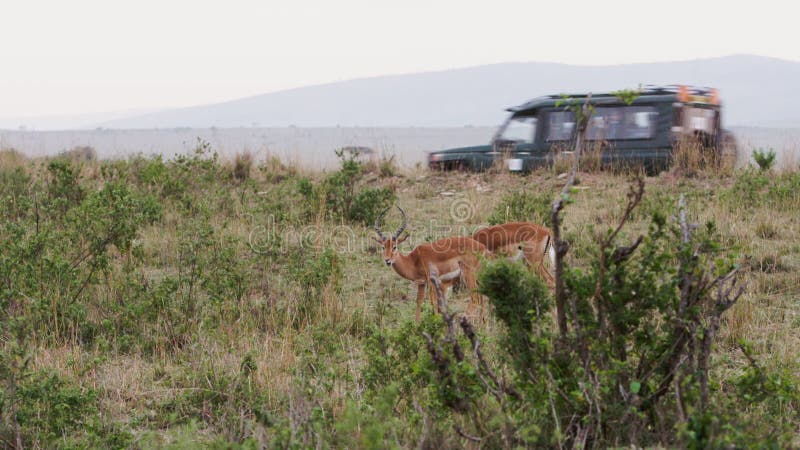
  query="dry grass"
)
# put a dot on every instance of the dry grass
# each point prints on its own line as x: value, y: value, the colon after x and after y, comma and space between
x: 692, y: 159
x: 81, y: 153
x: 242, y: 165
x: 274, y: 170
x: 11, y: 159
x: 592, y: 158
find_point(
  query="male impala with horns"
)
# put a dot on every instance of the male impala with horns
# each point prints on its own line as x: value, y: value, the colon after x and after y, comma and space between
x: 453, y: 258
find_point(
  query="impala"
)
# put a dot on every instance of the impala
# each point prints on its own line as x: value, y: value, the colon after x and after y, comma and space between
x: 453, y: 258
x: 520, y: 240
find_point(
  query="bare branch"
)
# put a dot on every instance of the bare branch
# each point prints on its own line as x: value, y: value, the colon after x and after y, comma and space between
x: 561, y: 247
x: 465, y: 435
x: 635, y: 195
x: 469, y: 331
x: 623, y: 253
x: 685, y: 227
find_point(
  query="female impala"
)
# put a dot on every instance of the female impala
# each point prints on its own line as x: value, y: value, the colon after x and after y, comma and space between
x: 521, y: 240
x: 452, y: 258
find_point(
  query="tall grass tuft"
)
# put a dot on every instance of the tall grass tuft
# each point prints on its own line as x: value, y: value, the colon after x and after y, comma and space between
x: 11, y: 159
x: 81, y: 154
x: 242, y: 165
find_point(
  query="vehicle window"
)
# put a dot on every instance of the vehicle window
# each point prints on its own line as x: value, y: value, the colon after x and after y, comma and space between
x: 622, y: 122
x: 560, y: 125
x: 700, y: 119
x: 520, y: 130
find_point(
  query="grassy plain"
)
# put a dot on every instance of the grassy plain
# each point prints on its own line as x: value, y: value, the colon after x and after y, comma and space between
x: 231, y: 305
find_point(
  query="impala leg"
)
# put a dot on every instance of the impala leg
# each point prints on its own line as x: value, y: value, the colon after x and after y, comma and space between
x: 420, y: 295
x: 548, y: 277
x: 534, y: 256
x: 447, y: 287
x: 468, y: 273
x: 543, y: 273
x: 432, y: 296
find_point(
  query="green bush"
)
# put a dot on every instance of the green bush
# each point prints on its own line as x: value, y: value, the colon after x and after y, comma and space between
x: 14, y: 193
x: 343, y: 194
x: 764, y: 158
x: 522, y: 303
x: 317, y: 276
x: 67, y: 242
x: 523, y: 206
x: 755, y: 188
x: 45, y: 411
x: 369, y: 203
x: 63, y: 184
x: 639, y: 326
x: 400, y: 370
x: 387, y: 166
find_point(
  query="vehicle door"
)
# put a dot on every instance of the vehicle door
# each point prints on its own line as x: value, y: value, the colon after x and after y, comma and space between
x: 513, y: 146
x: 559, y: 133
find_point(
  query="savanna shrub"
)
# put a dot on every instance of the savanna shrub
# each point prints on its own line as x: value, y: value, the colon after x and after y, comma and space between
x: 756, y: 188
x: 369, y: 203
x: 50, y: 412
x: 14, y: 191
x: 275, y: 171
x: 63, y: 184
x: 639, y: 325
x: 523, y: 206
x: 387, y: 166
x: 55, y: 252
x: 343, y: 195
x: 150, y: 172
x: 764, y: 158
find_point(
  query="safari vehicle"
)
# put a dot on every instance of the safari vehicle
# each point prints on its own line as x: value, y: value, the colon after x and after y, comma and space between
x: 642, y: 133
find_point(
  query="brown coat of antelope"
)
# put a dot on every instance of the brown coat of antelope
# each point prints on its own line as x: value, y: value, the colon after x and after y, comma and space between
x: 521, y: 240
x: 453, y: 258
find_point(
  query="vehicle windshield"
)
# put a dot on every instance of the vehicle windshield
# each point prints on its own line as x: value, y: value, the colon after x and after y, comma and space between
x: 519, y: 130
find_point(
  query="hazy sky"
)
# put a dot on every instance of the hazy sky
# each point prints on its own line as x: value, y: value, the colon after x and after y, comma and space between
x: 80, y: 56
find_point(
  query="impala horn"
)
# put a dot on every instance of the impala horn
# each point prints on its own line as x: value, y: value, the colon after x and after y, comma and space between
x: 403, y: 226
x: 377, y: 225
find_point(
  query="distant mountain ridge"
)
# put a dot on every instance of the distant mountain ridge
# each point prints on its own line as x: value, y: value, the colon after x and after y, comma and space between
x: 69, y: 121
x: 756, y: 91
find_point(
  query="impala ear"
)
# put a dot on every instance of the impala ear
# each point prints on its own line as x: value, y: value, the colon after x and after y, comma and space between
x: 377, y: 240
x: 402, y: 238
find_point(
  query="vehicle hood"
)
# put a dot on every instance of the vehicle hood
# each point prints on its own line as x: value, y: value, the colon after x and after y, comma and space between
x: 459, y: 150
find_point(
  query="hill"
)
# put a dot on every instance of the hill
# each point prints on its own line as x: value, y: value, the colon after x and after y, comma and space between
x: 757, y: 91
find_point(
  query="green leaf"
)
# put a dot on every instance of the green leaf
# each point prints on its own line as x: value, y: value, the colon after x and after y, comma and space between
x: 635, y: 387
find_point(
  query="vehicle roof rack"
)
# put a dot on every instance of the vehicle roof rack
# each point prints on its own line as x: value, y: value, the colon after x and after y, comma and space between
x: 675, y: 88
x: 651, y: 89
x: 689, y: 93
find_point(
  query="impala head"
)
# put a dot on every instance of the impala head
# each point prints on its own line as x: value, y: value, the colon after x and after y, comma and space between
x: 390, y: 243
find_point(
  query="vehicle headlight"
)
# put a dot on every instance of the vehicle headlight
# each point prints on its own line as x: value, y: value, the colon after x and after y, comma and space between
x: 435, y: 157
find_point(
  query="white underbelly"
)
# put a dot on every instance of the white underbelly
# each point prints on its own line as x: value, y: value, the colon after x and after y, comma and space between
x: 451, y: 275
